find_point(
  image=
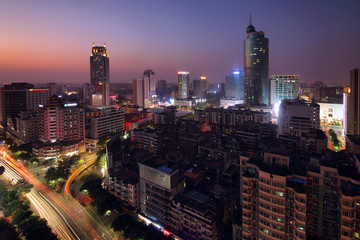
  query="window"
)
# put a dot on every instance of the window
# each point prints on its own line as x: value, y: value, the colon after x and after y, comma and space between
x: 278, y: 193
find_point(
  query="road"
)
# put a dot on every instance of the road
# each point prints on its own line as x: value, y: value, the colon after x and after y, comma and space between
x: 92, y: 216
x: 65, y: 215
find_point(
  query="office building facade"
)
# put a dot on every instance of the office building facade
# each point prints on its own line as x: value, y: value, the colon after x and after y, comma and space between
x: 149, y: 82
x: 284, y: 87
x: 159, y: 185
x: 18, y: 97
x: 353, y: 113
x: 256, y: 68
x: 234, y: 86
x: 298, y: 117
x: 59, y: 121
x: 199, y: 87
x: 101, y: 122
x: 138, y: 94
x: 183, y: 85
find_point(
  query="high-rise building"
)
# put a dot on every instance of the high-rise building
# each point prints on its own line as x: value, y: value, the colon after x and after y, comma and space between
x: 103, y: 121
x: 285, y: 198
x: 99, y: 72
x: 138, y: 93
x: 60, y: 129
x: 183, y: 85
x: 348, y: 125
x: 256, y: 67
x: 353, y: 114
x: 199, y: 87
x: 284, y: 87
x: 99, y: 65
x: 234, y: 87
x: 298, y: 117
x: 59, y: 121
x: 19, y: 97
x: 149, y: 83
x: 161, y: 88
x: 104, y: 90
x: 158, y: 187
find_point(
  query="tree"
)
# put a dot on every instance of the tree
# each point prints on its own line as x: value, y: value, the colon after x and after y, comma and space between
x: 19, y: 217
x: 2, y: 170
x: 334, y: 138
x: 36, y: 228
x: 23, y: 186
x: 7, y: 230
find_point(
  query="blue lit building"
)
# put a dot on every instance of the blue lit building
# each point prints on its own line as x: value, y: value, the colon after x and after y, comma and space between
x: 235, y: 85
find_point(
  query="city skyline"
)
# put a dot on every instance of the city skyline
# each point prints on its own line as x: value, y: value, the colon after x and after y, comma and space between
x: 49, y: 42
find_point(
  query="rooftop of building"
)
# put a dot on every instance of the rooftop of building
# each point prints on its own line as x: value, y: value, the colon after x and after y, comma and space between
x: 297, y: 186
x: 200, y: 203
x: 299, y: 103
x: 298, y: 167
x: 349, y: 188
x: 126, y: 175
x: 18, y: 85
x: 355, y: 139
x: 193, y: 173
x: 158, y: 164
x: 315, y: 133
x: 147, y: 130
x: 231, y: 169
x: 280, y: 150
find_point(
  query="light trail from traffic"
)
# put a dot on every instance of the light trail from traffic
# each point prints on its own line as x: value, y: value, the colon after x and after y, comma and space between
x: 77, y: 224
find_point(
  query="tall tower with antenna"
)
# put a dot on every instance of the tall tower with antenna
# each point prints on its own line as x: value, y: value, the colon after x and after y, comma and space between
x: 256, y: 67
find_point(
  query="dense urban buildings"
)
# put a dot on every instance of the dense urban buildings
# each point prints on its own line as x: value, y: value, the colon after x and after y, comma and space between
x: 284, y: 87
x: 256, y: 67
x: 183, y: 85
x: 19, y: 97
x: 254, y: 157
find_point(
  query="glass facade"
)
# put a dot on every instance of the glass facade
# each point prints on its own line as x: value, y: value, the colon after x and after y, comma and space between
x: 235, y: 85
x: 256, y: 68
x: 284, y: 87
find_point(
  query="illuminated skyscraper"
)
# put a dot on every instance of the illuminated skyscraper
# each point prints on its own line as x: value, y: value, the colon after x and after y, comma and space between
x: 149, y: 83
x: 234, y: 87
x: 256, y: 66
x: 99, y: 65
x: 99, y: 72
x: 183, y: 85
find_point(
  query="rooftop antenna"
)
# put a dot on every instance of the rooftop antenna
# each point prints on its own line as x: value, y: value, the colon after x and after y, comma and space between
x: 250, y: 19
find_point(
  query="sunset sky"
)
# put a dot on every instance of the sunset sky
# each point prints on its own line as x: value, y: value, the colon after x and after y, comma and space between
x: 50, y: 41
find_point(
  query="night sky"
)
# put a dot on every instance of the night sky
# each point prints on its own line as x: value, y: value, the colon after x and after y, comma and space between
x: 50, y: 41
